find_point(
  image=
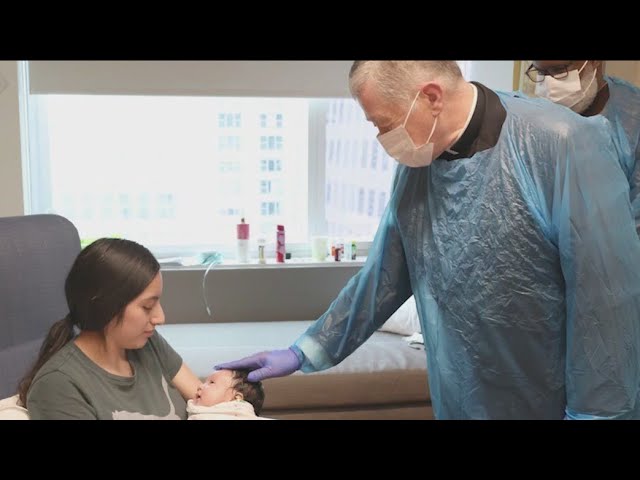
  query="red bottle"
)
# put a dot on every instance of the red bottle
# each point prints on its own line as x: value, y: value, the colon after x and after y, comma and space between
x: 280, y: 248
x: 242, y: 231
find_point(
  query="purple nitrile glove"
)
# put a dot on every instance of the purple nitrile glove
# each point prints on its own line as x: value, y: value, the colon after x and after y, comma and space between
x: 274, y: 363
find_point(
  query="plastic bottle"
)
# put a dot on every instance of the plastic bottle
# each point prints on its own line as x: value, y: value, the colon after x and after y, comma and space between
x: 280, y: 246
x: 319, y: 248
x: 243, y: 241
x: 354, y: 250
x: 261, y: 256
x: 338, y: 252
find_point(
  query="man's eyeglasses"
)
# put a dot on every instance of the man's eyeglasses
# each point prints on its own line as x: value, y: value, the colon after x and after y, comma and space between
x: 537, y: 75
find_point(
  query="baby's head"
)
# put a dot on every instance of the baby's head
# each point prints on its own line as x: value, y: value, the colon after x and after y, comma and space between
x: 228, y: 385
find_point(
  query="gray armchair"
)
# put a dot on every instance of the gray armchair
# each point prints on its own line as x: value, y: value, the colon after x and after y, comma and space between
x: 36, y: 254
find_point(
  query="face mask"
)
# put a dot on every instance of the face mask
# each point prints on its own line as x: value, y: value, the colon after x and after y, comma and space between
x: 568, y: 91
x: 398, y: 144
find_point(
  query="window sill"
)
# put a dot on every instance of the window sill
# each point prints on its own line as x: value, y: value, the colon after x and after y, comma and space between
x: 271, y: 264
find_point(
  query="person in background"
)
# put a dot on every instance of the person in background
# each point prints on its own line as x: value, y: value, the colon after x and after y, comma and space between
x: 105, y: 359
x: 582, y: 86
x: 511, y: 226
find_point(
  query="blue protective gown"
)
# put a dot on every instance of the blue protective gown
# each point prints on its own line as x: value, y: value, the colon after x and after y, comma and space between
x: 623, y: 111
x: 525, y: 266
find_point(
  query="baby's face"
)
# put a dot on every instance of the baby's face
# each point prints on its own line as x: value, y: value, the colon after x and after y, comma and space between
x: 217, y: 388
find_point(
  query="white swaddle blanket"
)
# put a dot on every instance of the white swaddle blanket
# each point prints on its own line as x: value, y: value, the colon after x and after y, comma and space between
x: 10, y: 410
x: 234, y: 410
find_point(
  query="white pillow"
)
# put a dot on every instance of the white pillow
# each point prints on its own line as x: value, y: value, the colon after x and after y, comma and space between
x: 405, y: 320
x: 10, y: 410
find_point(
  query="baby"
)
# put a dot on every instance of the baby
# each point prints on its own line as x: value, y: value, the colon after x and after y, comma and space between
x: 227, y: 395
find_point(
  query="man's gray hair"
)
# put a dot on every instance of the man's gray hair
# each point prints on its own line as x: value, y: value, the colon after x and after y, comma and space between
x: 398, y: 80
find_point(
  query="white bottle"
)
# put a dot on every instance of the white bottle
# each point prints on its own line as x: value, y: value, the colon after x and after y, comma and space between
x: 262, y: 259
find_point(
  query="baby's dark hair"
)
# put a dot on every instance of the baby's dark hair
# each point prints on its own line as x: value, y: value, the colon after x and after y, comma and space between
x: 251, y: 391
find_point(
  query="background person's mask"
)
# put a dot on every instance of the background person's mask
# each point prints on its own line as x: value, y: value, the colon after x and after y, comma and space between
x: 398, y: 144
x: 568, y: 91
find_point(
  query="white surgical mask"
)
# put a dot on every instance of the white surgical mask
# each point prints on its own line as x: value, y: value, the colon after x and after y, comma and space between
x: 398, y: 144
x: 569, y: 91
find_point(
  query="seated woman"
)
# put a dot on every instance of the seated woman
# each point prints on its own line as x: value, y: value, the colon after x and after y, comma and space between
x: 227, y: 395
x: 105, y: 359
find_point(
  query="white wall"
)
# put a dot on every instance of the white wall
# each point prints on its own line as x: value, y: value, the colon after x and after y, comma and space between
x: 11, y: 197
x: 497, y: 75
x: 289, y: 78
x: 628, y: 70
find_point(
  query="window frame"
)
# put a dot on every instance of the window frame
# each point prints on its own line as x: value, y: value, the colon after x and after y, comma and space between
x: 38, y: 195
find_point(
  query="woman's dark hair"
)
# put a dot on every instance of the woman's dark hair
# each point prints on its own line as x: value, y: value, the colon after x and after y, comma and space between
x: 105, y: 277
x: 251, y: 391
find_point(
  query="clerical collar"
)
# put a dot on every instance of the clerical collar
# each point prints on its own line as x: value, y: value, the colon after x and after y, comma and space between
x: 483, y: 125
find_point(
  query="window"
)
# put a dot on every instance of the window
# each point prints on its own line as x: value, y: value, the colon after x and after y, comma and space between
x: 343, y: 197
x: 229, y: 166
x: 382, y: 203
x: 178, y: 173
x: 270, y: 165
x: 271, y: 120
x: 229, y: 212
x: 345, y: 153
x: 364, y: 158
x: 174, y: 170
x: 374, y: 158
x: 229, y: 142
x: 271, y: 142
x: 269, y: 209
x: 227, y: 120
x: 372, y: 199
x: 352, y: 198
x: 332, y: 151
x: 353, y: 172
x: 265, y: 186
x: 385, y: 159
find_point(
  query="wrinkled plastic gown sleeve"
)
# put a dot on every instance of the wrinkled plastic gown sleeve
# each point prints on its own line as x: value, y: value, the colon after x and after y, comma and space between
x: 364, y: 304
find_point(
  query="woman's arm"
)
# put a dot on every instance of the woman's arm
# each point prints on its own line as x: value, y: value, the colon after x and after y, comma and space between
x: 186, y: 382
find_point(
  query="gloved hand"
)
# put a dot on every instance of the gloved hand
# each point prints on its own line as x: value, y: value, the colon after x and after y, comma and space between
x: 274, y: 363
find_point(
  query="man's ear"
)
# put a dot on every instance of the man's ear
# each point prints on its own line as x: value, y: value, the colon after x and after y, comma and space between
x: 433, y: 92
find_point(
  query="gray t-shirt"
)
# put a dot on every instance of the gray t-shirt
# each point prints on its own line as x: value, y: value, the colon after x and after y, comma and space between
x: 71, y: 386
